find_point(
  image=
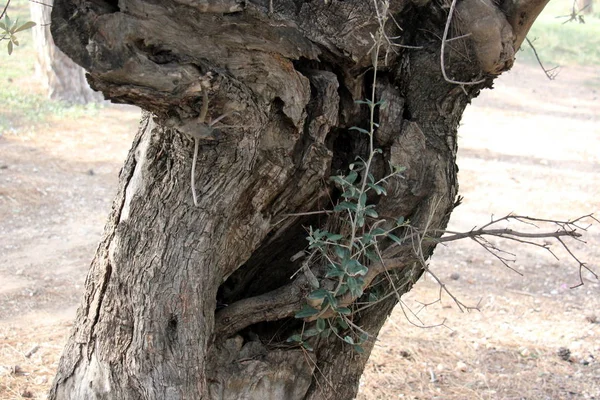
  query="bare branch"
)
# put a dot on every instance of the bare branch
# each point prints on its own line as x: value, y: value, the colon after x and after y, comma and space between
x: 494, y: 251
x: 575, y: 15
x: 565, y: 229
x: 277, y: 304
x: 551, y: 73
x: 505, y: 233
x: 5, y: 8
x: 444, y: 41
x: 582, y: 265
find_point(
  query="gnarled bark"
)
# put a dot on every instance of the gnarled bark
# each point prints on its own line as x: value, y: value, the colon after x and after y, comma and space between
x: 196, y: 302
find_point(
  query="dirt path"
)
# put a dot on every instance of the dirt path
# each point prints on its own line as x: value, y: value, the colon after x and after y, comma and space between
x: 530, y: 146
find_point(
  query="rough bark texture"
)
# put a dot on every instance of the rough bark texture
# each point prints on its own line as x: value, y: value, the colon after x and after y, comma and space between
x: 60, y: 77
x: 196, y: 302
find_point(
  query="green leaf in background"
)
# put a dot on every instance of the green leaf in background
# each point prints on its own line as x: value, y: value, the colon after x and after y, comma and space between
x: 26, y: 25
x: 307, y: 311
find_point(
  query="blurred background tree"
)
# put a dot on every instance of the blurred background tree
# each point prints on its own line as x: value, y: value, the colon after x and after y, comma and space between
x: 61, y: 78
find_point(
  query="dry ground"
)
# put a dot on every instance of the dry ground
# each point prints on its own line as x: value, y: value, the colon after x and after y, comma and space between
x: 530, y: 146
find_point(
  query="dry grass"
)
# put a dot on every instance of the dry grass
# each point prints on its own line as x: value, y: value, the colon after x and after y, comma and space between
x: 506, y: 351
x: 23, y: 376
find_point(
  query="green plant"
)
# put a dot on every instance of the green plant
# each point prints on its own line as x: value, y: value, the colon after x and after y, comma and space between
x: 9, y: 28
x: 351, y: 242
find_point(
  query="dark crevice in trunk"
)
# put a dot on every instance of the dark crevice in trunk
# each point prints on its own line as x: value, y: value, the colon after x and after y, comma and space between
x: 156, y: 54
x: 111, y: 6
x: 272, y: 333
x: 342, y: 141
x: 270, y: 266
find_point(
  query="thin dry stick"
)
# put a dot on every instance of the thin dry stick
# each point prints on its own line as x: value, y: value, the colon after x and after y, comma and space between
x: 4, y: 11
x: 444, y: 40
x: 551, y: 73
x: 443, y: 288
x: 581, y: 265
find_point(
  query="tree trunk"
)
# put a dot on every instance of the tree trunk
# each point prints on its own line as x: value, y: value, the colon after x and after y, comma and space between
x: 188, y: 301
x: 585, y: 6
x: 60, y: 77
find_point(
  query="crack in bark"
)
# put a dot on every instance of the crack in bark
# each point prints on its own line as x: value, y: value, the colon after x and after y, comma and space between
x: 101, y: 293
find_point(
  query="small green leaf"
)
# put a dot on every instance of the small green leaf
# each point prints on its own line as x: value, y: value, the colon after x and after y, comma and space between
x: 371, y: 255
x: 334, y: 237
x: 378, y: 189
x: 338, y: 179
x: 369, y: 212
x: 334, y: 273
x: 10, y: 47
x: 326, y: 333
x: 316, y: 245
x: 26, y: 25
x: 321, y: 324
x: 348, y: 340
x: 343, y: 310
x: 318, y: 234
x: 317, y: 294
x: 307, y: 346
x: 352, y: 176
x: 397, y: 169
x: 355, y: 284
x: 362, y: 200
x: 332, y: 300
x: 350, y: 194
x: 367, y: 239
x: 358, y: 348
x: 307, y: 311
x: 354, y: 267
x: 361, y: 130
x: 342, y: 290
x: 342, y: 253
x: 395, y: 238
x: 294, y: 338
x: 378, y: 232
x: 400, y: 221
x: 310, y: 332
x: 343, y: 324
x: 360, y: 220
x: 344, y: 205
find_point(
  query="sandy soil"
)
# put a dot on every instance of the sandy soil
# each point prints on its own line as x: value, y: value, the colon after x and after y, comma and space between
x: 530, y: 147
